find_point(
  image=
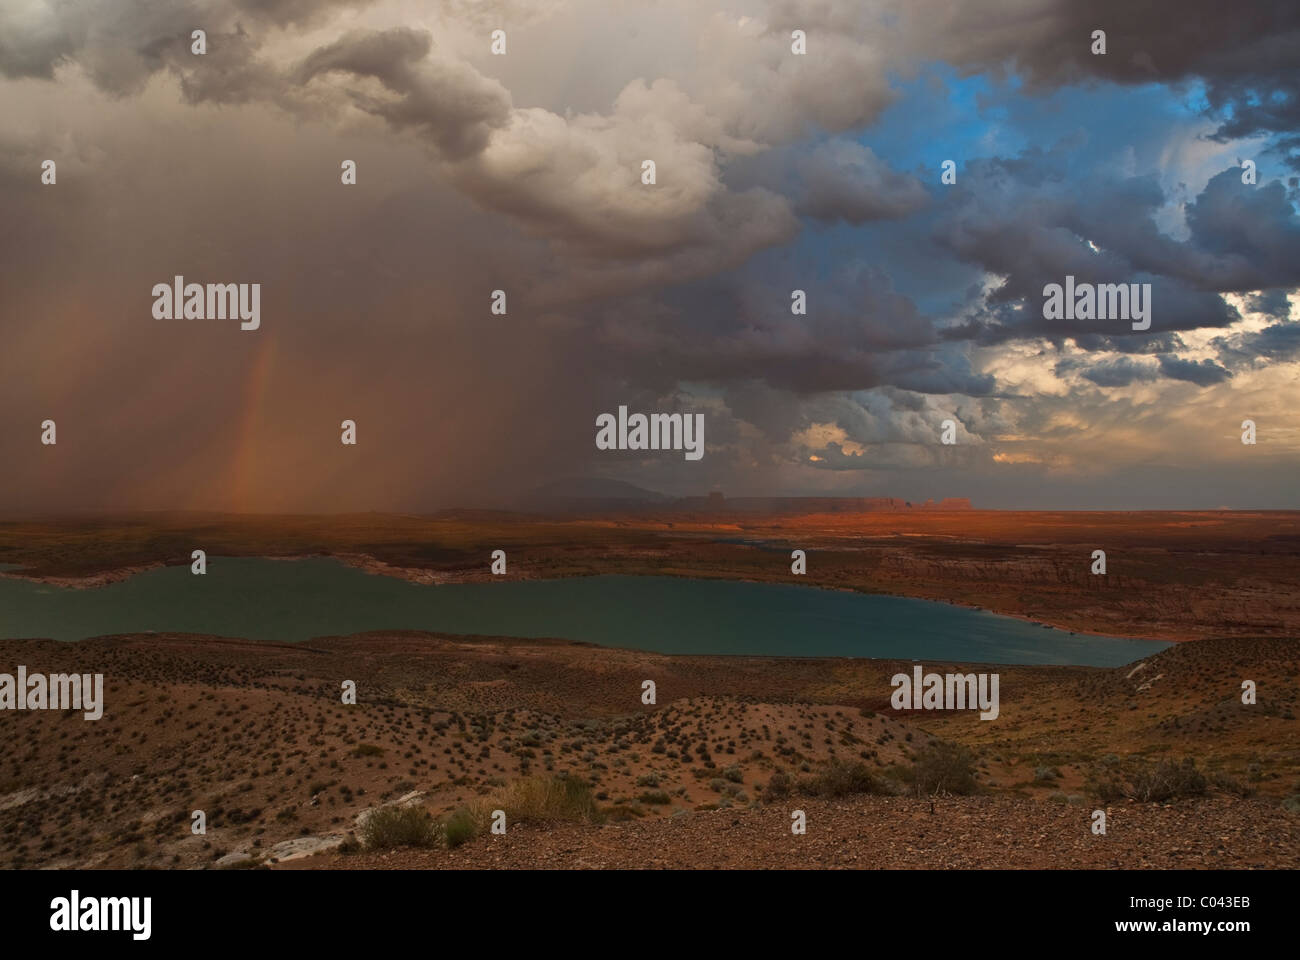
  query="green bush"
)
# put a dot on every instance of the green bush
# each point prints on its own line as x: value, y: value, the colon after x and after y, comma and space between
x: 944, y: 768
x: 390, y: 827
x: 840, y: 779
x: 534, y: 798
x: 459, y: 827
x: 549, y: 798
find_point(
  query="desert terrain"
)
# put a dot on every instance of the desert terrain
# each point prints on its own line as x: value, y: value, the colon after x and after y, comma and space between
x: 447, y: 729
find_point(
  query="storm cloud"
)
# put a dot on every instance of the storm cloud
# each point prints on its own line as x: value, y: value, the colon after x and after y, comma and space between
x: 776, y: 172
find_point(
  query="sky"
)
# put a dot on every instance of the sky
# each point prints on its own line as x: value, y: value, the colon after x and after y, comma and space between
x: 775, y: 171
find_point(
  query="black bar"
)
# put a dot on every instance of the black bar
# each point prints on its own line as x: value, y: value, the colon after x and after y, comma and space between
x: 242, y: 909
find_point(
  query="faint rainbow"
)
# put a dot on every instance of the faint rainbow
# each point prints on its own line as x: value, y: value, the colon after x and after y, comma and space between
x: 244, y: 464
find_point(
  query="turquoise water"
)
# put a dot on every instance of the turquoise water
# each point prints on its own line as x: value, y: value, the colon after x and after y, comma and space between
x: 295, y: 600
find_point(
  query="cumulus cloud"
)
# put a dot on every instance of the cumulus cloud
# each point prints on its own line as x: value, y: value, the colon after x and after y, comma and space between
x: 1200, y: 372
x: 924, y: 300
x: 1244, y: 55
x: 121, y: 45
x: 448, y: 102
x: 844, y: 180
x: 1116, y: 372
x: 1030, y: 221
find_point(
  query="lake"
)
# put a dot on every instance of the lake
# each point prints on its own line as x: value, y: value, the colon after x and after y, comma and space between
x: 295, y: 600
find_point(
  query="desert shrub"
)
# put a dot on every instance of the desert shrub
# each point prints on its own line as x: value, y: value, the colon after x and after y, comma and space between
x: 461, y: 826
x: 648, y: 780
x: 549, y: 798
x: 839, y: 779
x: 1226, y: 783
x: 655, y: 797
x: 779, y: 787
x: 1169, y: 780
x: 944, y: 768
x: 368, y: 750
x: 535, y: 798
x: 390, y: 827
x: 733, y: 774
x: 1046, y: 774
x: 1106, y: 790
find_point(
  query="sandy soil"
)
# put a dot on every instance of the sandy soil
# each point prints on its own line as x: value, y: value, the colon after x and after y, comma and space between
x: 256, y: 736
x: 886, y: 833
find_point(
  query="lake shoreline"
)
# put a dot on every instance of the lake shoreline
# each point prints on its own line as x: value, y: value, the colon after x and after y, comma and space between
x: 426, y: 577
x: 258, y: 599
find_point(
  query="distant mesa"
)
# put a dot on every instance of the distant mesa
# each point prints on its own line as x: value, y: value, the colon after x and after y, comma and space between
x: 715, y: 501
x: 617, y: 496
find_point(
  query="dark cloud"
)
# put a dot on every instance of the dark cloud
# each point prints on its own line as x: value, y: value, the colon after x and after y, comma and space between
x: 1273, y: 303
x: 1125, y: 371
x: 1278, y: 342
x: 122, y: 44
x: 449, y: 102
x: 672, y: 297
x: 231, y: 72
x: 1203, y: 373
x: 1119, y: 372
x: 1251, y: 232
x: 1137, y: 343
x: 1287, y: 150
x: 847, y: 181
x: 1037, y: 231
x: 1245, y: 54
x: 858, y: 333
